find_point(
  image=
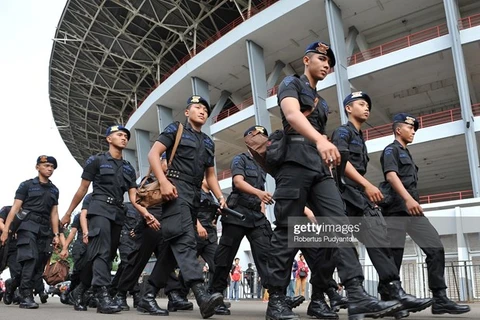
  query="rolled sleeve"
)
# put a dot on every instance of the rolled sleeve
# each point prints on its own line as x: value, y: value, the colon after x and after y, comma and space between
x: 22, y: 191
x: 390, y: 160
x: 288, y: 88
x: 238, y: 166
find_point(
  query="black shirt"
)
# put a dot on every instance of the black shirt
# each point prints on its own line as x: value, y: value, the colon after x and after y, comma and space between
x: 248, y: 204
x: 76, y: 225
x: 38, y: 198
x: 194, y: 154
x: 310, y: 101
x: 207, y: 211
x: 4, y: 213
x: 111, y: 178
x: 396, y: 158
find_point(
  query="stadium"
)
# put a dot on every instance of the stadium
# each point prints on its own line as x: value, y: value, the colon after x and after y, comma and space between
x: 136, y: 63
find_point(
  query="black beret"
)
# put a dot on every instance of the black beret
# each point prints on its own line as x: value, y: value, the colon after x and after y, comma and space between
x: 47, y: 159
x: 322, y: 48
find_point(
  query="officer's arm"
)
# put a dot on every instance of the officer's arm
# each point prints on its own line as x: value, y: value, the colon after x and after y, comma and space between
x: 71, y: 236
x: 397, y: 185
x: 154, y: 155
x: 246, y: 187
x: 17, y: 204
x: 79, y: 195
x: 212, y: 182
x: 2, y: 225
x: 83, y: 222
x: 291, y: 109
x: 54, y: 220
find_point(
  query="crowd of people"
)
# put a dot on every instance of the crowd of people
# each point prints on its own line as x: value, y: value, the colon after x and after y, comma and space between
x: 183, y: 227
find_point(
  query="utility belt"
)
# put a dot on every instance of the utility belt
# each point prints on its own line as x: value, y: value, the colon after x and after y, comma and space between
x: 299, y: 139
x: 182, y: 176
x: 109, y: 200
x: 249, y: 205
x: 39, y: 219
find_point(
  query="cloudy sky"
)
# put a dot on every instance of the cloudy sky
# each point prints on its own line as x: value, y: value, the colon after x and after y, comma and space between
x: 27, y: 129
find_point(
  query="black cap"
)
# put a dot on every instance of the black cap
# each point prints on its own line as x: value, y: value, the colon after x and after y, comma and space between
x: 358, y: 95
x: 200, y: 100
x: 116, y: 128
x: 406, y: 118
x: 47, y: 159
x: 260, y: 129
x: 322, y: 48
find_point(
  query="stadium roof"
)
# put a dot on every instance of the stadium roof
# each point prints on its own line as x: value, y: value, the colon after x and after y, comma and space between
x: 108, y: 55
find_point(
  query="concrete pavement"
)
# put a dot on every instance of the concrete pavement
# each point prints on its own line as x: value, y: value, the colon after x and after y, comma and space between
x: 241, y: 310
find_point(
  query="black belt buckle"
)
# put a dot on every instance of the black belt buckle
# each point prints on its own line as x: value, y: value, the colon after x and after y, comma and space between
x: 173, y: 174
x: 110, y: 200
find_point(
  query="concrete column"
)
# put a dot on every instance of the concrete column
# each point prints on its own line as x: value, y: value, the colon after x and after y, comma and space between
x: 288, y: 70
x: 337, y: 41
x: 451, y: 12
x: 275, y: 74
x: 130, y: 156
x: 142, y: 138
x: 200, y: 87
x: 258, y: 80
x: 165, y: 117
x: 351, y: 40
x: 216, y: 110
x: 463, y: 257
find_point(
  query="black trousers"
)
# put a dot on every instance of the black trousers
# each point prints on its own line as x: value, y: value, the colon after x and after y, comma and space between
x: 426, y: 237
x: 34, y: 251
x: 206, y: 250
x: 12, y: 263
x: 103, y: 240
x: 232, y: 235
x: 79, y: 256
x: 295, y: 187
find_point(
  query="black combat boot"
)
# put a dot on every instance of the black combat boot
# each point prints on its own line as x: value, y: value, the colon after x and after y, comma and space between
x: 27, y: 301
x: 121, y: 300
x: 318, y: 308
x: 43, y: 297
x: 105, y: 303
x: 148, y: 304
x: 278, y: 309
x: 361, y: 304
x: 10, y: 287
x: 177, y: 302
x: 293, y: 302
x: 394, y: 291
x: 337, y: 301
x: 77, y: 297
x: 222, y: 310
x: 441, y: 304
x: 206, y: 302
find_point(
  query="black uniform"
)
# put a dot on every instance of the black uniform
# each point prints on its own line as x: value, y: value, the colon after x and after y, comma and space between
x: 111, y: 179
x: 373, y: 231
x: 128, y: 244
x: 34, y: 236
x: 195, y: 153
x: 14, y: 267
x: 255, y: 227
x: 79, y: 248
x: 206, y: 214
x: 304, y: 179
x: 396, y: 158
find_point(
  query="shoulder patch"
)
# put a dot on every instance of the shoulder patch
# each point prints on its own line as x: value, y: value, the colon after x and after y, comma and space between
x: 388, y: 151
x: 172, y: 127
x: 236, y: 160
x: 89, y: 160
x: 288, y: 80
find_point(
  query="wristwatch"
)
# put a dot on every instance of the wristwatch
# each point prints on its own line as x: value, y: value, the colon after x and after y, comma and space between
x: 57, y: 234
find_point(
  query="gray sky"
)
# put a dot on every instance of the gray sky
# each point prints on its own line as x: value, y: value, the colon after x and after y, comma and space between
x: 27, y: 129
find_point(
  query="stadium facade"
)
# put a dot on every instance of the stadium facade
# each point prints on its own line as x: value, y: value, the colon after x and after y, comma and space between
x: 136, y: 62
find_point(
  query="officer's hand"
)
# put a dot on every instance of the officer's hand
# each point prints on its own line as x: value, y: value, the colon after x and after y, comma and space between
x: 4, y: 238
x: 152, y: 222
x: 65, y: 220
x: 329, y: 153
x: 202, y: 232
x: 223, y: 203
x: 85, y: 237
x: 64, y: 253
x: 265, y: 197
x: 373, y: 193
x: 56, y: 241
x: 414, y: 208
x: 168, y: 190
x: 132, y: 234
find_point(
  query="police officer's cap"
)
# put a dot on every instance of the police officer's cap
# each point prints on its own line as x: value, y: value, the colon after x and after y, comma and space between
x: 47, y: 159
x: 358, y: 95
x: 322, y: 48
x: 260, y: 129
x: 406, y: 118
x: 197, y: 99
x: 116, y: 128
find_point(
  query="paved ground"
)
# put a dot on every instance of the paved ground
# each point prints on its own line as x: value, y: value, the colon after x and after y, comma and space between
x: 244, y: 310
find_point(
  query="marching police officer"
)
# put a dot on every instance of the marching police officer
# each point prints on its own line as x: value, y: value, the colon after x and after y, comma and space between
x: 303, y: 177
x: 112, y: 177
x: 360, y: 197
x: 249, y: 198
x: 79, y: 257
x: 14, y: 267
x: 38, y: 200
x: 180, y: 187
x: 405, y: 215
